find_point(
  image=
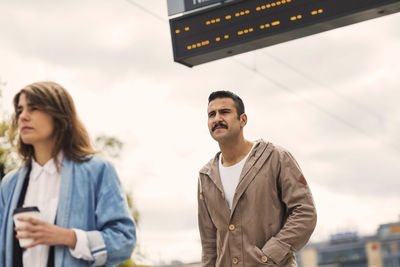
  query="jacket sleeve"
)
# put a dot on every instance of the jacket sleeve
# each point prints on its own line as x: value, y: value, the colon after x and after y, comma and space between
x: 3, y: 237
x: 208, y: 231
x: 115, y: 237
x: 2, y: 203
x: 301, y: 216
x: 5, y: 192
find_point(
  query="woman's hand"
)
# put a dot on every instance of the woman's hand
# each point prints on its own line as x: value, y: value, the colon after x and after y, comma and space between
x: 44, y: 233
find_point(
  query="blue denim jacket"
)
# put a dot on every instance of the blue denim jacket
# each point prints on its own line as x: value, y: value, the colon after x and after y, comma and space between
x: 90, y: 199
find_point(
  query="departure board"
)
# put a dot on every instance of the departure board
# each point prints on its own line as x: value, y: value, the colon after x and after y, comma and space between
x: 242, y: 26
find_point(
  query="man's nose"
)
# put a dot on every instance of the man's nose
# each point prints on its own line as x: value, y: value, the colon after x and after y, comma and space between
x: 217, y: 117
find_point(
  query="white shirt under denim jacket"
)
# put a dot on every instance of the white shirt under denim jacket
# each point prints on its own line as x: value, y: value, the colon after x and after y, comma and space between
x: 90, y: 199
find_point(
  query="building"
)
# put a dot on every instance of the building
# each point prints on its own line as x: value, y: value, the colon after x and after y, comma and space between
x: 350, y: 250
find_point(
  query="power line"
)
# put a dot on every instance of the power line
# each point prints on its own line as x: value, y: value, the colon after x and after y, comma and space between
x: 311, y: 103
x: 291, y: 91
x: 147, y: 11
x: 344, y: 98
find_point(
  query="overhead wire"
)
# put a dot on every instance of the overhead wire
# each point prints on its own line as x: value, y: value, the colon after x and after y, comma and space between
x: 291, y: 91
x: 147, y: 10
x: 350, y: 101
x: 318, y: 107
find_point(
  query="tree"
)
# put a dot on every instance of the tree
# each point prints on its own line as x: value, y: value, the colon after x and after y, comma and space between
x: 109, y: 145
x: 8, y: 158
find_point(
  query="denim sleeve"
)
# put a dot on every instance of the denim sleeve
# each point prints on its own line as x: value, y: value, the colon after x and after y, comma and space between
x: 2, y: 231
x: 116, y: 236
x: 4, y: 189
x: 1, y: 208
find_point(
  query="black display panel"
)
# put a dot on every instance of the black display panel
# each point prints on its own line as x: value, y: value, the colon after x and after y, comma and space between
x: 243, y: 26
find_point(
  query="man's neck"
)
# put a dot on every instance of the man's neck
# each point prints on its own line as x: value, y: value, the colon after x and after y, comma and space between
x: 233, y: 152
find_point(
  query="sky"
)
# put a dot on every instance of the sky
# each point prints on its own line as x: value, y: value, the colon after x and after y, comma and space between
x: 331, y: 99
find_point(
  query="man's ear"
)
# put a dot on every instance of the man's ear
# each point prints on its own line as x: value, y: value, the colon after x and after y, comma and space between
x: 243, y: 120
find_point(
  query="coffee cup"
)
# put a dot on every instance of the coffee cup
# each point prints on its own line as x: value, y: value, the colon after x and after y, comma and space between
x: 25, y: 212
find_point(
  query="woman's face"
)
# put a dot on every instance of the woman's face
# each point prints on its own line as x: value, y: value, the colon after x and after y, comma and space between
x: 35, y: 126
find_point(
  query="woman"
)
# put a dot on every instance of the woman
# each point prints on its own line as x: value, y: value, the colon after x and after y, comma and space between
x: 85, y: 219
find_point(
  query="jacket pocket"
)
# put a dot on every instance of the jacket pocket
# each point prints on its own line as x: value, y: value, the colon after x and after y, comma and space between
x: 259, y: 257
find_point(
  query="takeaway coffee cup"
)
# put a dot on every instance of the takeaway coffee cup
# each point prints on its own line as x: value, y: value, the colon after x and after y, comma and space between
x: 25, y: 212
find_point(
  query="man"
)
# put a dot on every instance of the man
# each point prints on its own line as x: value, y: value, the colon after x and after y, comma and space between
x: 255, y: 208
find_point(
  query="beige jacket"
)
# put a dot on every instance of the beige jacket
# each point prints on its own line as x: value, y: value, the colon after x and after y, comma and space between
x: 272, y: 216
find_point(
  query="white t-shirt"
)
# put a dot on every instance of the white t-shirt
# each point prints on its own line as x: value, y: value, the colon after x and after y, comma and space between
x: 230, y: 177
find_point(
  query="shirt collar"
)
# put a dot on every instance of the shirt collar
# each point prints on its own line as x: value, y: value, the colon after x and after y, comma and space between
x: 50, y: 167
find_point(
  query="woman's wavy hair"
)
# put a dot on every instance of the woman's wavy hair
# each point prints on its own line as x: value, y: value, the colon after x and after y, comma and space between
x: 70, y: 134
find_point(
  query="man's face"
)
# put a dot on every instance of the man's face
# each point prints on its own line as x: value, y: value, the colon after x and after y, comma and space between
x: 223, y: 122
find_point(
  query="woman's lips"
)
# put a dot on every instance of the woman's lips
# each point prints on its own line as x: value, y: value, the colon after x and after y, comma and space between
x: 26, y: 128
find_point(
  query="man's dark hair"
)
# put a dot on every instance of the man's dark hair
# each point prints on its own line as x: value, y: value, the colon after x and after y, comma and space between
x: 228, y: 94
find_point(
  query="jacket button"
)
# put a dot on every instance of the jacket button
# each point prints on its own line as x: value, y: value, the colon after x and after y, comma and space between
x: 235, y: 260
x: 231, y: 227
x: 264, y: 258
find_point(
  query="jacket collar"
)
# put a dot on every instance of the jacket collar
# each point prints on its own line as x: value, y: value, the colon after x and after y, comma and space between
x: 64, y: 202
x: 211, y: 169
x: 254, y: 162
x: 49, y: 167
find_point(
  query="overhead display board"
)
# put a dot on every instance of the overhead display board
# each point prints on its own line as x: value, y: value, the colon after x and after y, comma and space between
x: 242, y: 26
x: 180, y: 6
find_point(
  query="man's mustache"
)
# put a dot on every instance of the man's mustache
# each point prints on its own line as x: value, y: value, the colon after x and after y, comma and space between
x: 219, y: 124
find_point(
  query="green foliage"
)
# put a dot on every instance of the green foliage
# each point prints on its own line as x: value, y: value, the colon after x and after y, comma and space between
x: 109, y: 145
x: 8, y: 157
x: 135, y: 212
x: 130, y: 263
